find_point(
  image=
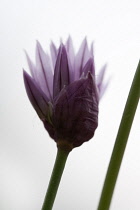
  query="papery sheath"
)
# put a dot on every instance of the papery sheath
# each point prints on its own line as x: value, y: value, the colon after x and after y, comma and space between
x: 75, y: 113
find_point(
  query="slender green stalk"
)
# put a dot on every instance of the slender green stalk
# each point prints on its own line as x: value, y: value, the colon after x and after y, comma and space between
x: 55, y: 179
x: 120, y: 143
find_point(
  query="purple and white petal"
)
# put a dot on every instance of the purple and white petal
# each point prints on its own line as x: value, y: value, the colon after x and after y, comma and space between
x: 92, y: 55
x: 54, y: 53
x: 71, y: 57
x: 92, y: 50
x: 45, y: 74
x: 31, y: 66
x: 57, y: 74
x: 81, y: 58
x: 103, y: 88
x: 100, y: 77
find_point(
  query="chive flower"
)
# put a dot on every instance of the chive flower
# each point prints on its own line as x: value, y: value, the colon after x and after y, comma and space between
x: 65, y: 92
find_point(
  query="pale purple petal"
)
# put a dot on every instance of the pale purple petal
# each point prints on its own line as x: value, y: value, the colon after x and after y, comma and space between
x: 31, y: 66
x: 89, y: 67
x: 37, y: 98
x: 100, y: 77
x: 71, y: 57
x: 81, y: 58
x: 91, y: 50
x: 87, y: 55
x: 92, y: 55
x: 45, y: 75
x: 70, y: 48
x: 54, y: 53
x: 56, y: 79
x: 103, y: 88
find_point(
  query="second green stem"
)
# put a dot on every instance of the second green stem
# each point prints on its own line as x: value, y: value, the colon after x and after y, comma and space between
x: 121, y: 141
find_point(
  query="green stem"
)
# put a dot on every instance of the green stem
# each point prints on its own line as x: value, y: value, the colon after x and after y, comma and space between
x: 120, y: 143
x: 55, y: 179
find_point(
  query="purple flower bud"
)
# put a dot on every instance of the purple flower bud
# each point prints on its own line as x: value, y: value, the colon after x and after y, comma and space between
x: 64, y: 92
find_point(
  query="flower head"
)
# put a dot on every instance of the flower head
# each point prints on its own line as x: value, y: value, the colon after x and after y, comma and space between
x: 65, y: 93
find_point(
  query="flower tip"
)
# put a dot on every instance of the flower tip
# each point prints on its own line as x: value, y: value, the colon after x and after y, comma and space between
x: 61, y: 40
x: 26, y: 55
x: 85, y: 40
x: 26, y: 76
x: 69, y: 38
x: 38, y: 45
x: 105, y: 65
x: 63, y: 49
x: 92, y: 49
x: 37, y: 42
x: 24, y: 73
x: 52, y: 44
x: 25, y: 51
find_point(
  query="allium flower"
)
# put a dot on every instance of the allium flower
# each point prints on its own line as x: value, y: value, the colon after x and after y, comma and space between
x: 65, y: 93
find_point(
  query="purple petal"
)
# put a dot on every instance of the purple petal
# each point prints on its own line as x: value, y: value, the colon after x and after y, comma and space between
x: 89, y: 67
x: 92, y: 55
x: 71, y: 57
x: 54, y: 52
x: 31, y: 66
x: 91, y: 50
x: 61, y: 73
x: 69, y: 46
x: 64, y: 68
x: 45, y: 75
x: 36, y: 96
x: 81, y: 58
x: 56, y: 79
x: 76, y: 111
x: 100, y: 77
x: 103, y: 88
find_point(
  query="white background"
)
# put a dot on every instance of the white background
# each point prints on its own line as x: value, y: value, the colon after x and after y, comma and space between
x: 26, y: 152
